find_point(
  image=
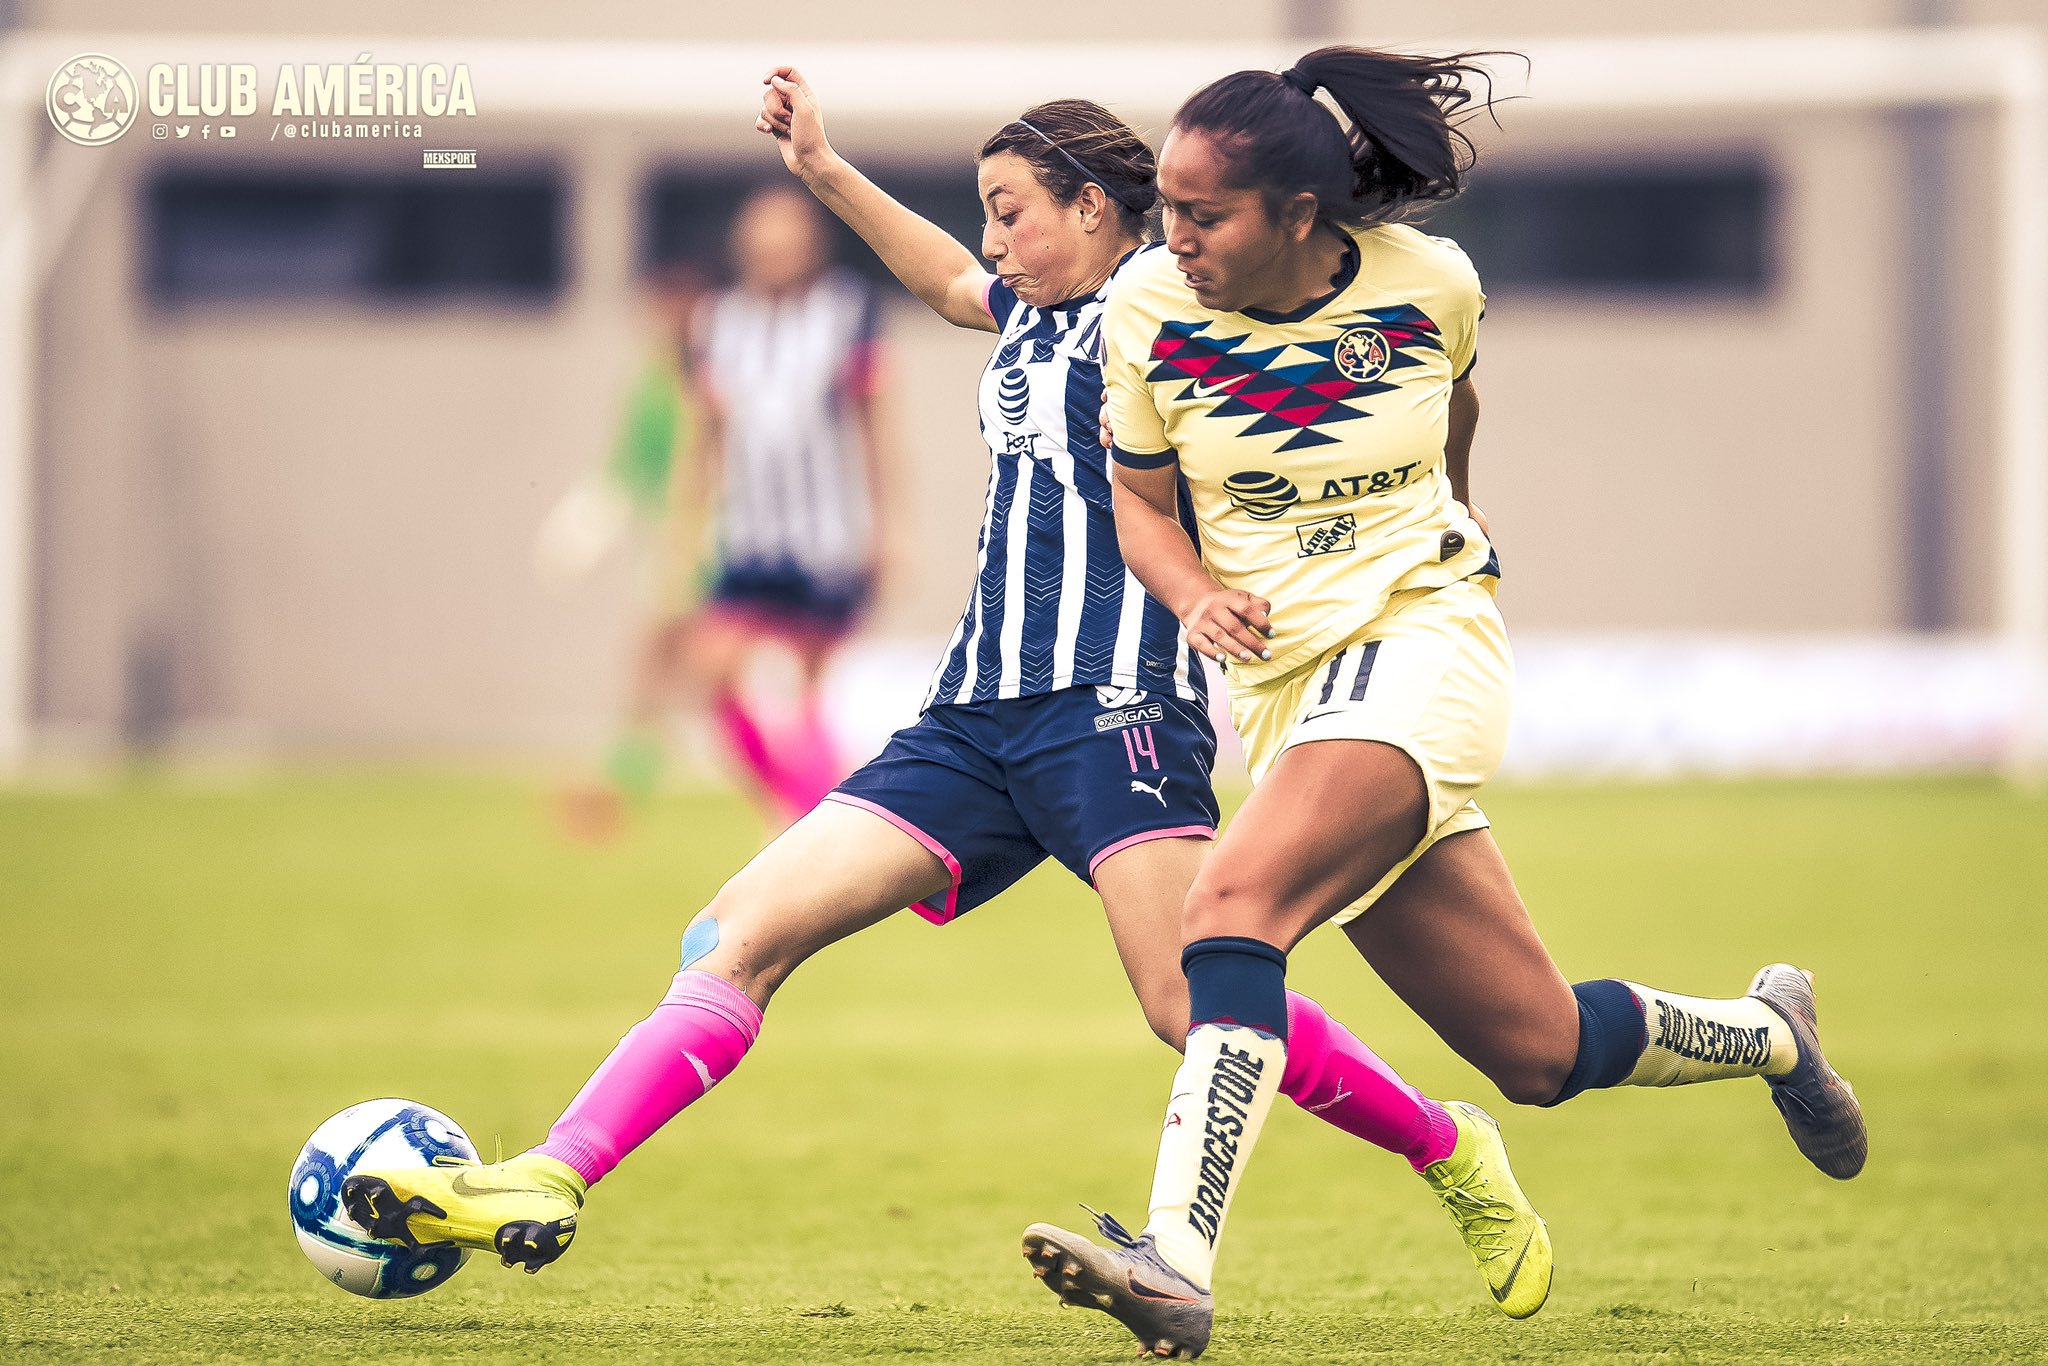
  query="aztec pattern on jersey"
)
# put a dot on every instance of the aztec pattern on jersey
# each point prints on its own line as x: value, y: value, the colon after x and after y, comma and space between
x: 1299, y: 388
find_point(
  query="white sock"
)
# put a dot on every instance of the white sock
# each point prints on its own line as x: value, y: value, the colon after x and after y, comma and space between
x: 1221, y: 1094
x: 1693, y: 1038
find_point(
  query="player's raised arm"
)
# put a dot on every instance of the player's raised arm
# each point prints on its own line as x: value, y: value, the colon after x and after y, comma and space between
x: 931, y: 265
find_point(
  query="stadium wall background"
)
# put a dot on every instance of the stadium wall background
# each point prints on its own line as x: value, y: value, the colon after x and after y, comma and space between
x: 302, y: 525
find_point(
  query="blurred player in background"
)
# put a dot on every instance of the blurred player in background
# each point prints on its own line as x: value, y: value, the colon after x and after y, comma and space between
x: 641, y: 486
x: 1067, y: 719
x: 753, y: 441
x: 1299, y: 363
x: 787, y: 367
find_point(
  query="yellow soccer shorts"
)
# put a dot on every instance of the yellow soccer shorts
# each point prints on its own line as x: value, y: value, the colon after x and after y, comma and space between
x: 1432, y: 676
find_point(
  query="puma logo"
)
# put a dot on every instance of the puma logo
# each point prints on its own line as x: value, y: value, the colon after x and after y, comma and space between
x: 1157, y: 793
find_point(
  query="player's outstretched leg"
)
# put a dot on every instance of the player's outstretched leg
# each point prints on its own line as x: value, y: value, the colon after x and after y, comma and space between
x: 838, y: 870
x: 524, y: 1209
x: 1544, y: 1042
x: 1634, y: 1035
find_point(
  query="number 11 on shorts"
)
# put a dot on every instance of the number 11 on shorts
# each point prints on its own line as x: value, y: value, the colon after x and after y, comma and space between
x: 1138, y: 744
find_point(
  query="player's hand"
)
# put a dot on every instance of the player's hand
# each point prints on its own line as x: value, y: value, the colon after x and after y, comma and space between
x: 1102, y: 425
x: 1230, y: 624
x: 1476, y: 515
x: 790, y: 115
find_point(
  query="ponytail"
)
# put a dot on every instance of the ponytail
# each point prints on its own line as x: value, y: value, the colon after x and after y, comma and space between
x: 1403, y: 146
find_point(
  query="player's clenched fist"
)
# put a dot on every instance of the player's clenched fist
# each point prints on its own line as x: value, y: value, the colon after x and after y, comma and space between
x: 1230, y: 624
x: 790, y: 115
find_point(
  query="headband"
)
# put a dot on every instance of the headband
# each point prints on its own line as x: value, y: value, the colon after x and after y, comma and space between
x: 1079, y: 169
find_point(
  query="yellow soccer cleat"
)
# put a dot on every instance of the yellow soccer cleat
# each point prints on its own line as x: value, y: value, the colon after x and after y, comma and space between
x: 1506, y: 1236
x: 523, y: 1209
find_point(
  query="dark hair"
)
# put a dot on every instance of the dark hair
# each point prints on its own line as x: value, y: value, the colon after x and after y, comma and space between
x: 1403, y: 148
x: 1072, y: 143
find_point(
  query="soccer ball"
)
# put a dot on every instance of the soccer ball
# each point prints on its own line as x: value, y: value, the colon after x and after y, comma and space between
x: 378, y: 1135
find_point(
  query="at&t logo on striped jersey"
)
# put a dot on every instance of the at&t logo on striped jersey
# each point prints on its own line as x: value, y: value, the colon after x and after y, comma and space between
x: 1013, y: 396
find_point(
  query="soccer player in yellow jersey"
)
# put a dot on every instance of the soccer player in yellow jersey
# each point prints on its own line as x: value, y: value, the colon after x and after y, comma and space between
x: 1300, y: 362
x: 1099, y: 761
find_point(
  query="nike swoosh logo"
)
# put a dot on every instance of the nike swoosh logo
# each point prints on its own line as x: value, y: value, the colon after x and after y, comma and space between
x: 1146, y: 1292
x: 462, y: 1185
x: 1222, y: 388
x: 1500, y: 1295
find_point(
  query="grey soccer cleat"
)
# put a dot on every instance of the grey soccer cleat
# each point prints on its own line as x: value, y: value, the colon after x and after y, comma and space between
x: 1819, y: 1107
x: 1129, y: 1281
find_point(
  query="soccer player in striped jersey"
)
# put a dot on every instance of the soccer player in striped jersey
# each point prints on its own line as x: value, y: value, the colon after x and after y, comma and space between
x: 1067, y: 719
x: 1300, y: 363
x: 786, y: 370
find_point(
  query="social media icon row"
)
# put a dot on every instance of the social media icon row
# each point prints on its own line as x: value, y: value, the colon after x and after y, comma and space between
x: 207, y: 131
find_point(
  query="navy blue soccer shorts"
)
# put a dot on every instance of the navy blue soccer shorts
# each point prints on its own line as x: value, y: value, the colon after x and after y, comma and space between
x: 994, y: 787
x: 784, y: 595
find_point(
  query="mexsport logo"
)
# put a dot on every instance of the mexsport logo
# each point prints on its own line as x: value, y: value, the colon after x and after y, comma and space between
x: 1262, y: 494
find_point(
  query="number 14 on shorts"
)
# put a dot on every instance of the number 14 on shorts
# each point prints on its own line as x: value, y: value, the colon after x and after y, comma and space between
x: 1138, y: 744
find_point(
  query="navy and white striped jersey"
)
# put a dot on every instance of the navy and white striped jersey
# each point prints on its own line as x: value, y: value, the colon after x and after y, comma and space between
x: 795, y: 491
x: 1053, y: 605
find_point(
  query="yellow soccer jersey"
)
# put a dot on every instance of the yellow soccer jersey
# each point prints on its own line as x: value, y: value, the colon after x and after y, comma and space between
x: 1312, y: 443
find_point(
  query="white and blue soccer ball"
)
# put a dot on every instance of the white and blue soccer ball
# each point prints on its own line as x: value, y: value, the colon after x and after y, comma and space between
x: 377, y: 1135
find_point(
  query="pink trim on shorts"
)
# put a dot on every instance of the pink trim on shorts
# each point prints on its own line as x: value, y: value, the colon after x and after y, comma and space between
x: 1207, y: 832
x: 938, y: 915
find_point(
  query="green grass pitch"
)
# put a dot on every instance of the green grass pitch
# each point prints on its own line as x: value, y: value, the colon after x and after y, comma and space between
x: 193, y: 979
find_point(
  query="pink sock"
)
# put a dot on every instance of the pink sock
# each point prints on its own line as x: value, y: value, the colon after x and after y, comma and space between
x: 811, y: 763
x: 788, y: 784
x: 743, y: 736
x: 691, y: 1042
x: 1339, y: 1080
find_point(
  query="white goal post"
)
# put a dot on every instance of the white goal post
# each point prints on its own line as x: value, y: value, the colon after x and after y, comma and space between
x: 2001, y: 71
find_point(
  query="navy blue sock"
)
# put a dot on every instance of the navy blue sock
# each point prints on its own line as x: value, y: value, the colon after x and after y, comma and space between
x: 1612, y: 1036
x: 1236, y: 981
